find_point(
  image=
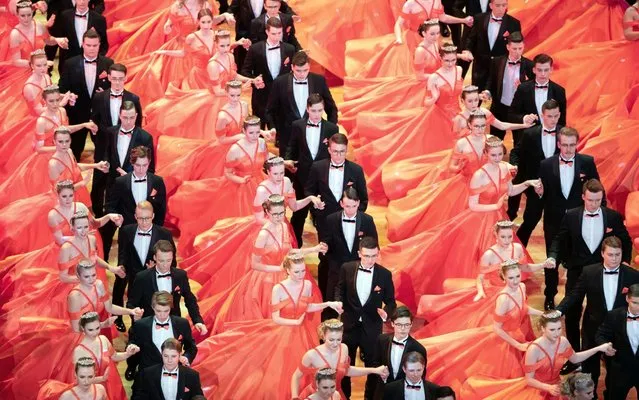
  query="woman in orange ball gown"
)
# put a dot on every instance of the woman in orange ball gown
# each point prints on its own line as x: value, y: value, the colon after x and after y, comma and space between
x: 197, y: 205
x: 392, y: 54
x: 289, y: 333
x: 424, y: 261
x: 333, y: 354
x: 468, y: 303
x: 542, y: 363
x: 85, y: 371
x: 494, y: 350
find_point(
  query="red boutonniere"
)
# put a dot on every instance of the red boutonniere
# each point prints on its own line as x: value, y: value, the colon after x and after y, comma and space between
x: 624, y: 290
x: 177, y: 289
x: 179, y: 338
x: 608, y: 230
x: 506, y: 34
x: 103, y: 75
x: 360, y: 233
x: 325, y: 141
x: 350, y: 183
x: 288, y: 30
x: 154, y: 192
x: 582, y: 175
x: 377, y: 289
x: 286, y: 61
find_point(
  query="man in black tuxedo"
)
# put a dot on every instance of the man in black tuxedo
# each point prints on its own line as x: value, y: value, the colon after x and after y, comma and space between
x: 267, y: 59
x: 578, y: 244
x: 258, y: 25
x: 309, y: 143
x: 362, y: 288
x: 329, y: 178
x: 602, y: 284
x: 105, y: 112
x: 414, y: 368
x: 244, y: 12
x: 562, y: 178
x: 75, y: 22
x: 288, y: 98
x: 487, y: 39
x: 537, y: 144
x: 169, y: 379
x: 343, y: 231
x: 391, y: 347
x: 621, y: 328
x: 84, y: 75
x: 135, y: 251
x: 531, y: 95
x: 150, y: 332
x: 506, y: 73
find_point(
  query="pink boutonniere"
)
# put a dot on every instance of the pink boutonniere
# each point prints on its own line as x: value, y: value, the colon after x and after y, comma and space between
x: 325, y: 141
x: 179, y: 338
x: 582, y: 175
x: 288, y: 30
x: 154, y: 192
x: 286, y: 61
x: 506, y: 34
x: 608, y: 230
x: 350, y: 183
x: 177, y: 289
x: 360, y: 233
x: 186, y: 389
x: 624, y: 290
x: 377, y: 289
x: 103, y: 75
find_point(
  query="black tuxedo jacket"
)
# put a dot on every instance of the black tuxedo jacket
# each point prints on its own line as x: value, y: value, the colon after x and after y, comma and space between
x: 258, y: 29
x: 473, y: 7
x: 477, y: 43
x: 147, y: 385
x: 555, y: 204
x: 56, y: 7
x: 590, y: 285
x: 281, y: 109
x: 101, y: 115
x: 317, y: 184
x: 141, y: 335
x: 382, y: 356
x: 146, y: 284
x: 297, y: 149
x: 498, y: 67
x: 395, y: 390
x: 528, y: 153
x: 128, y: 256
x: 139, y: 137
x: 524, y: 101
x: 382, y: 292
x: 120, y: 198
x: 333, y: 236
x: 95, y: 21
x: 570, y: 242
x: 614, y: 329
x: 256, y: 64
x: 243, y: 13
x: 72, y: 79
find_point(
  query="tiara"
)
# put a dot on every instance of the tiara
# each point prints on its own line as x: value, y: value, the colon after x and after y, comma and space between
x: 496, y: 142
x: 449, y: 48
x: 89, y: 315
x: 505, y: 224
x: 85, y: 362
x: 38, y: 52
x: 64, y: 183
x: 553, y: 314
x: 324, y: 372
x: 252, y: 120
x: 275, y: 160
x: 470, y: 88
x: 23, y: 4
x: 509, y: 262
x: 51, y: 88
x: 477, y: 113
x: 432, y: 21
x: 329, y: 324
x: 81, y: 214
x: 222, y: 32
x: 234, y: 84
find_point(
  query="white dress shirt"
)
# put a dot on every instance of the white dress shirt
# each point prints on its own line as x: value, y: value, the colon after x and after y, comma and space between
x: 313, y: 138
x: 363, y: 285
x: 165, y: 282
x: 169, y: 384
x: 349, y: 230
x: 257, y: 6
x: 142, y: 242
x: 336, y: 181
x: 139, y: 189
x: 300, y: 93
x: 566, y: 176
x: 548, y: 141
x: 90, y: 72
x: 124, y: 140
x: 493, y: 30
x: 414, y: 394
x: 273, y: 59
x: 160, y: 334
x: 80, y: 25
x: 632, y: 329
x: 541, y: 95
x: 610, y: 283
x: 114, y: 106
x: 484, y: 5
x: 592, y: 229
x: 396, y: 354
x: 511, y: 75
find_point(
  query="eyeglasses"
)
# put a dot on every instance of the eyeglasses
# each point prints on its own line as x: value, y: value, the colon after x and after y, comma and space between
x: 143, y: 218
x: 404, y: 326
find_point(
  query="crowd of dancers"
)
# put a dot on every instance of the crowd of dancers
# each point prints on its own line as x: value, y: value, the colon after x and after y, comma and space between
x: 208, y: 125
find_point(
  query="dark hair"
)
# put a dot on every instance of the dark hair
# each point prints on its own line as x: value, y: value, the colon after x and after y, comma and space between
x: 350, y: 193
x: 413, y: 357
x: 633, y: 290
x: 91, y: 33
x: 550, y: 104
x: 515, y: 37
x: 204, y: 12
x: 444, y: 391
x: 201, y: 396
x: 568, y: 132
x: 401, y: 312
x: 164, y: 246
x: 314, y: 98
x: 118, y: 68
x: 339, y: 138
x: 424, y: 26
x: 368, y: 242
x: 542, y: 58
x: 592, y: 186
x: 172, y: 344
x: 447, y: 48
x: 139, y: 152
x: 273, y: 22
x: 300, y: 59
x: 127, y: 105
x: 611, y: 241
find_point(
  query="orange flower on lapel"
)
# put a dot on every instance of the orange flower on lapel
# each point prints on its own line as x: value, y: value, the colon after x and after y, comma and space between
x: 179, y: 338
x: 608, y: 230
x: 377, y: 289
x: 360, y: 233
x: 325, y: 141
x: 582, y: 175
x: 154, y: 192
x: 350, y: 183
x: 186, y: 389
x: 506, y: 34
x: 288, y: 30
x: 624, y: 290
x: 286, y: 61
x: 177, y: 289
x: 103, y: 75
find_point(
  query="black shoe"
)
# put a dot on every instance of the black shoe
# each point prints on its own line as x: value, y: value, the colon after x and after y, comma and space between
x: 569, y: 368
x: 129, y: 374
x: 119, y: 325
x: 549, y: 304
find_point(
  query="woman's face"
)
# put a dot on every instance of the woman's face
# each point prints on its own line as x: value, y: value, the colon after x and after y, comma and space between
x: 449, y: 60
x: 223, y: 45
x: 276, y: 174
x: 471, y: 101
x: 25, y: 16
x: 477, y: 126
x: 234, y: 95
x: 297, y: 272
x: 552, y: 331
x: 252, y: 133
x: 333, y: 340
x: 39, y: 65
x: 277, y: 214
x: 52, y: 101
x: 495, y: 154
x: 65, y: 197
x: 586, y: 394
x: 326, y: 388
x: 81, y: 227
x: 84, y: 376
x: 62, y: 141
x: 504, y: 237
x: 513, y: 278
x: 88, y: 276
x: 92, y: 329
x: 432, y: 34
x: 206, y: 22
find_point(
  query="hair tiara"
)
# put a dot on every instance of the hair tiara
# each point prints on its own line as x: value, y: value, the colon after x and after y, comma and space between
x: 431, y: 22
x: 470, y: 88
x: 494, y: 141
x: 505, y: 224
x: 332, y: 324
x: 38, y: 52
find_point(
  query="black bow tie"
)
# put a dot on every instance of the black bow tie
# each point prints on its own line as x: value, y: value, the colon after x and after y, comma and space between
x: 123, y: 132
x: 514, y: 62
x: 350, y: 221
x: 541, y: 86
x: 144, y: 233
x: 139, y: 180
x: 496, y: 19
x: 171, y: 374
x: 90, y: 61
x: 164, y: 275
x: 159, y: 326
x: 399, y: 343
x: 312, y: 124
x: 550, y: 131
x: 615, y: 272
x: 300, y: 82
x: 337, y: 166
x: 566, y: 162
x: 82, y: 15
x: 114, y: 96
x: 631, y: 318
x: 589, y: 215
x: 369, y: 271
x: 274, y: 47
x: 416, y: 387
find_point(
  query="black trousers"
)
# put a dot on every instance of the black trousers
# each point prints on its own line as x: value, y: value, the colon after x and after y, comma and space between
x: 619, y: 382
x: 298, y: 219
x: 78, y: 140
x: 500, y: 111
x: 573, y: 314
x: 592, y: 365
x: 532, y: 214
x: 107, y: 232
x: 98, y: 193
x: 551, y: 276
x: 364, y: 339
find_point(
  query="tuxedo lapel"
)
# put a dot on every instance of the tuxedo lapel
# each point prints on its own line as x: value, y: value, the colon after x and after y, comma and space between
x: 620, y: 284
x: 341, y: 231
x: 555, y: 170
x: 82, y: 76
x: 157, y: 381
x: 181, y: 382
x: 370, y: 294
x: 501, y: 70
x: 74, y: 35
x: 580, y: 223
x: 304, y: 142
x: 358, y: 226
x: 291, y: 97
x: 347, y: 175
x: 128, y: 186
x: 600, y: 289
x: 134, y: 137
x: 149, y: 184
x: 389, y: 348
x: 107, y: 107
